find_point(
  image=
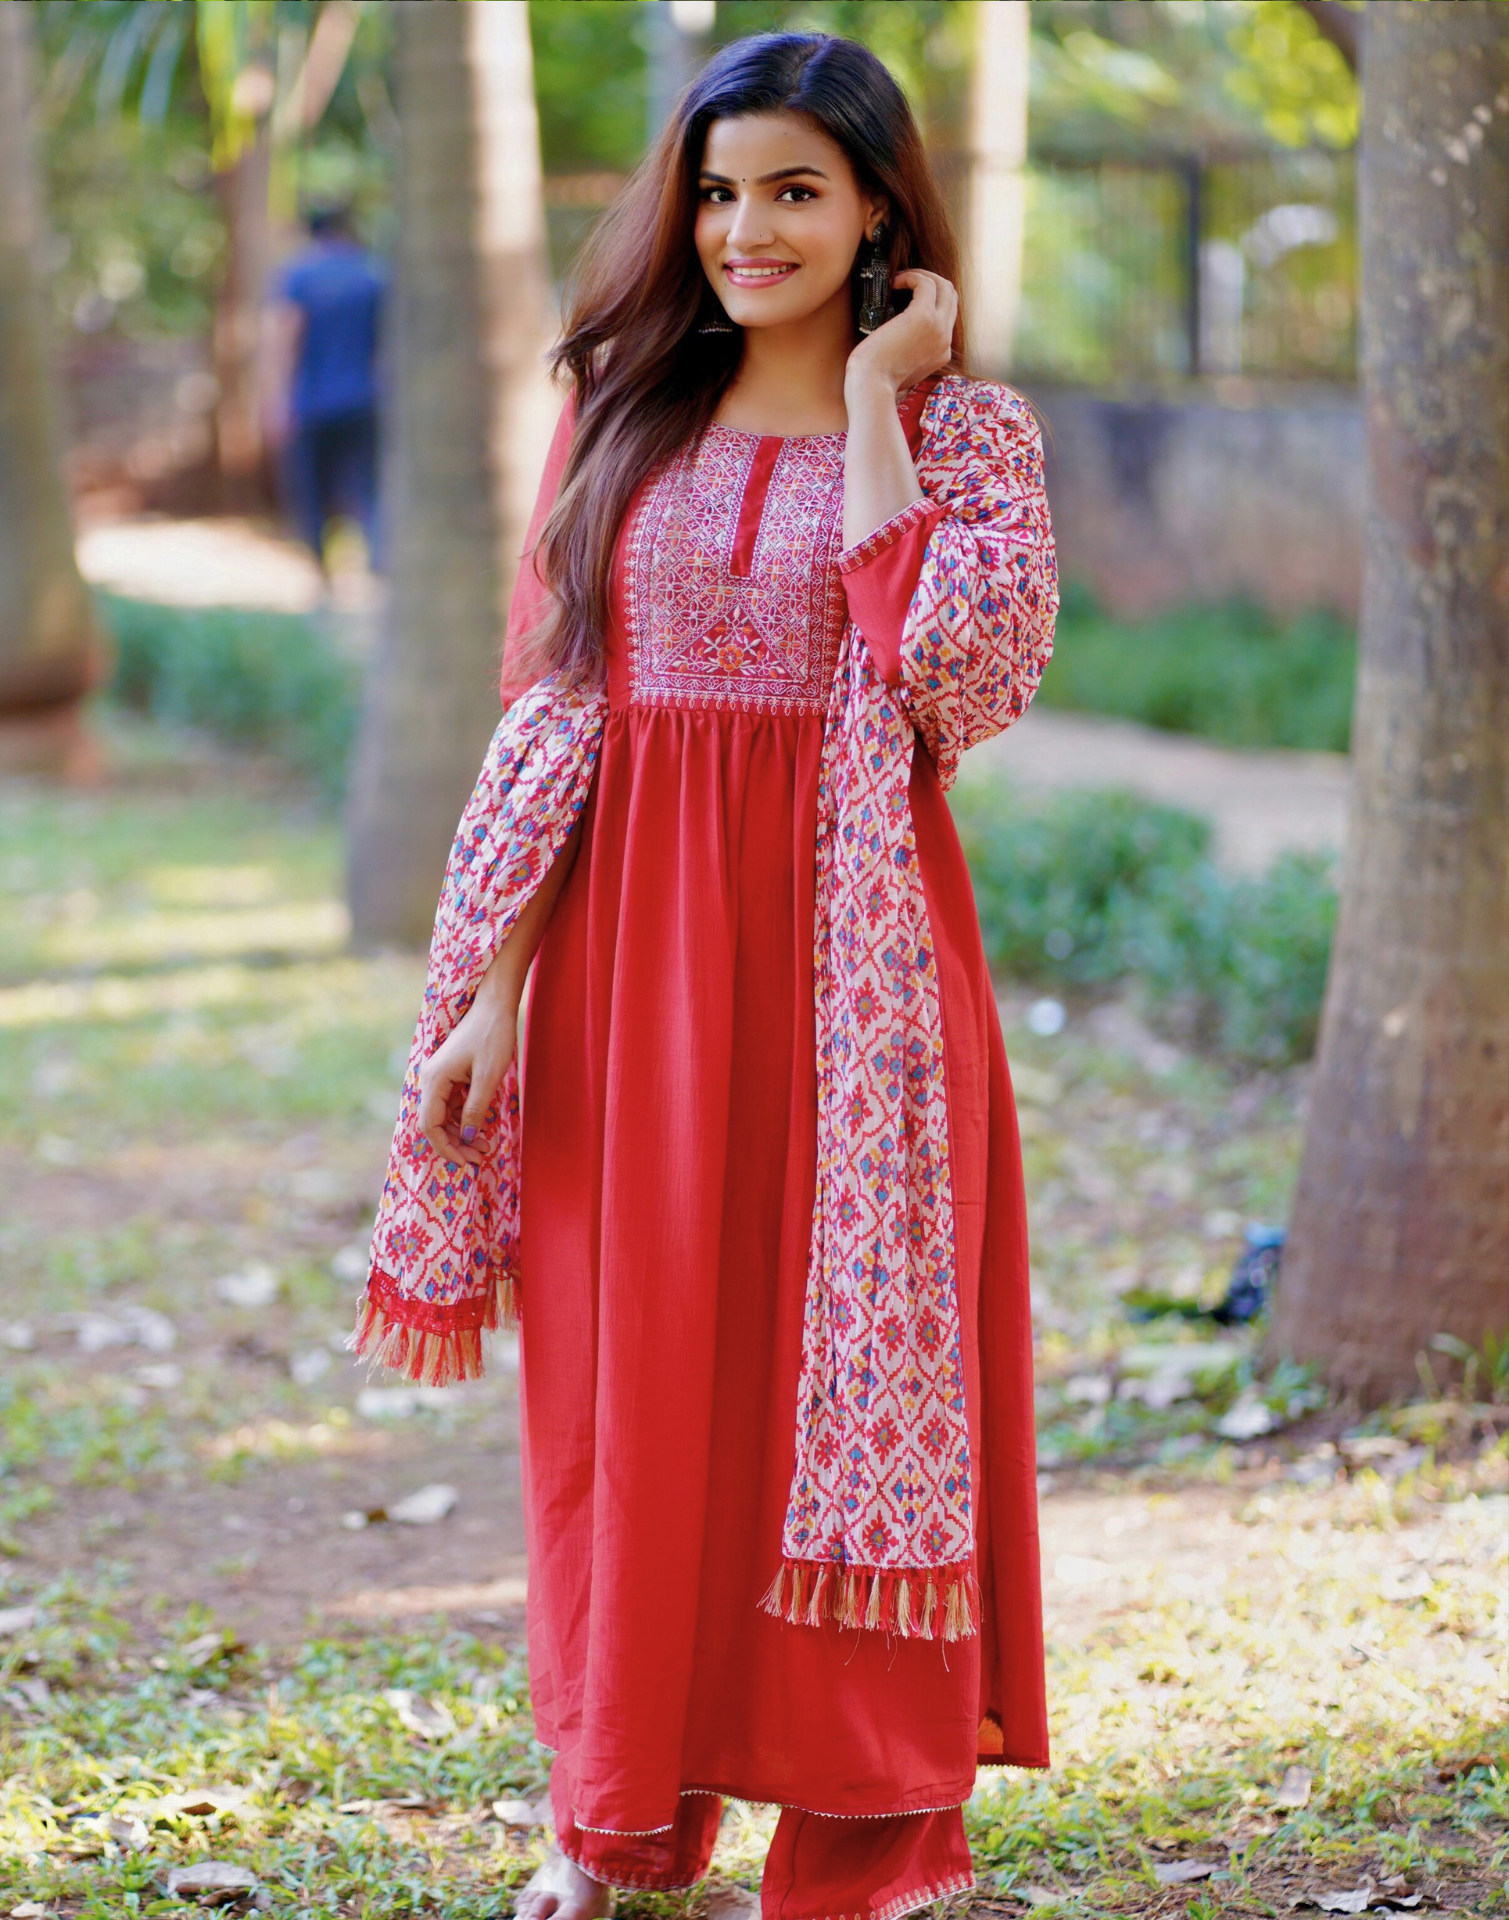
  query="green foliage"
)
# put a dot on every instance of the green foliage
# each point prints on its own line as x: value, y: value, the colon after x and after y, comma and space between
x: 138, y: 234
x: 1231, y: 673
x: 589, y: 77
x: 271, y: 681
x: 1292, y: 77
x: 1187, y: 79
x: 1087, y: 891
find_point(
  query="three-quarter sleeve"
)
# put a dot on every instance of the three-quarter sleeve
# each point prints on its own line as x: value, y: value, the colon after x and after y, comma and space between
x: 880, y: 575
x: 531, y: 596
x: 957, y: 594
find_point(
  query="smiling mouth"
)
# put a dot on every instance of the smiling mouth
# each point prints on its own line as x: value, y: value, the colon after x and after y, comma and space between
x: 766, y: 274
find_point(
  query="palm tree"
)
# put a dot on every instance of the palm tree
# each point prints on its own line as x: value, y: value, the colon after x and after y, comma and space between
x: 49, y: 652
x: 470, y: 419
x: 1401, y: 1224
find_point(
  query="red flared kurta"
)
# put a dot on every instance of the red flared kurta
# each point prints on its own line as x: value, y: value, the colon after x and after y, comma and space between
x: 669, y: 1132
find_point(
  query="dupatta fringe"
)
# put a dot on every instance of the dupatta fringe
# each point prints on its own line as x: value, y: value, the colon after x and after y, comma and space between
x: 914, y: 1603
x: 427, y: 1357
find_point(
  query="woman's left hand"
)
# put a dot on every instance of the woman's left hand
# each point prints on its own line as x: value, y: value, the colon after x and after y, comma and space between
x: 917, y: 341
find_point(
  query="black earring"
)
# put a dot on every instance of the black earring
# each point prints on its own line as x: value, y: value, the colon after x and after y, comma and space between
x: 716, y: 320
x: 874, y: 285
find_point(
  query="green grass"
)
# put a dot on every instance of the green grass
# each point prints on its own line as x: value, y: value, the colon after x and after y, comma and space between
x: 1231, y: 673
x: 275, y: 682
x: 169, y: 957
x: 1084, y: 892
x: 1174, y: 1722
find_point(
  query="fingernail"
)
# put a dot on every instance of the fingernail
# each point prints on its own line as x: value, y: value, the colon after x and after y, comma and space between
x: 468, y: 1134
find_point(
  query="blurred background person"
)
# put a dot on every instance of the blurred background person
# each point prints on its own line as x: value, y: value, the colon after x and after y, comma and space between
x: 324, y: 325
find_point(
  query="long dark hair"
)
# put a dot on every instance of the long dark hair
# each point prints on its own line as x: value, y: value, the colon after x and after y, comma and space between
x: 646, y: 381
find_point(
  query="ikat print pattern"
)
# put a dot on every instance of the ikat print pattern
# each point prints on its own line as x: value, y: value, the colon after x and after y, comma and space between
x: 881, y: 1488
x: 445, y: 1245
x: 882, y: 1478
x: 979, y: 630
x: 882, y: 1475
x: 701, y: 635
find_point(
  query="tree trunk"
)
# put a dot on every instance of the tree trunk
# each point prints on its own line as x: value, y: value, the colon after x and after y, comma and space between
x: 470, y: 418
x: 243, y: 190
x: 1401, y: 1222
x: 997, y: 184
x: 49, y: 650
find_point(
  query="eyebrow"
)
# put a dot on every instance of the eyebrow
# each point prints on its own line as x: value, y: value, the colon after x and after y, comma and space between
x: 765, y: 179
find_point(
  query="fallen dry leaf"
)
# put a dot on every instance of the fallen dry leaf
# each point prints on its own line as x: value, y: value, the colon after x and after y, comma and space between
x: 731, y: 1903
x: 1294, y: 1788
x: 127, y: 1830
x: 421, y: 1716
x: 256, y: 1285
x: 519, y: 1813
x: 205, y: 1647
x: 29, y: 1910
x: 424, y: 1508
x: 1358, y: 1900
x: 1173, y: 1873
x: 1037, y: 1896
x: 210, y: 1877
x: 197, y: 1803
x: 18, y: 1619
x: 1446, y: 1770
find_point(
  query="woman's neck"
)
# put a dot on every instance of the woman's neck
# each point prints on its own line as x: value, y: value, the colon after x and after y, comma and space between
x: 791, y: 379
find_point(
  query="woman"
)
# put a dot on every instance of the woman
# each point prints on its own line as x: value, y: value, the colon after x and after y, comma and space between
x: 762, y: 1200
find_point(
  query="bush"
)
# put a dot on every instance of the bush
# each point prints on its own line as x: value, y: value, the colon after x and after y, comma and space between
x: 1090, y: 891
x: 275, y: 682
x: 1230, y: 673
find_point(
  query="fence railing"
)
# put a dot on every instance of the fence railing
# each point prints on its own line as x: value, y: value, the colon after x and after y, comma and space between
x: 1156, y: 269
x: 1162, y: 269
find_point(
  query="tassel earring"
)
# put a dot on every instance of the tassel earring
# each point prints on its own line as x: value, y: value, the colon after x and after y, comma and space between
x: 874, y: 286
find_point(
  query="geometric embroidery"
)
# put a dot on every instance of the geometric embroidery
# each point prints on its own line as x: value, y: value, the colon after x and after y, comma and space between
x: 702, y: 631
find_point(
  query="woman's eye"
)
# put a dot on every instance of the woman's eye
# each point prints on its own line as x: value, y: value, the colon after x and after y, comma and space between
x: 805, y: 193
x: 716, y: 196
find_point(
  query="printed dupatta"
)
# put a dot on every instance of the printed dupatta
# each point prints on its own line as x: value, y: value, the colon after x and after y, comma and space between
x: 879, y: 1529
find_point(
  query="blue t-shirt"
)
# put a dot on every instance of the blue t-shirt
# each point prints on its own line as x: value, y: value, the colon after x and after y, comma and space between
x: 339, y: 288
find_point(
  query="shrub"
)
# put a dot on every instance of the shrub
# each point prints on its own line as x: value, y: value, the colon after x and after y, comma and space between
x: 1230, y: 672
x: 276, y: 682
x: 1089, y: 891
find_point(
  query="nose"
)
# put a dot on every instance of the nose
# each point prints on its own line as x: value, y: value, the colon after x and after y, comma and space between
x: 750, y: 228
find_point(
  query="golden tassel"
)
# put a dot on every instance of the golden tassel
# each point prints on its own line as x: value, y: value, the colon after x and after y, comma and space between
x: 815, y: 1605
x: 770, y: 1599
x: 872, y: 1612
x: 903, y: 1608
x: 929, y: 1607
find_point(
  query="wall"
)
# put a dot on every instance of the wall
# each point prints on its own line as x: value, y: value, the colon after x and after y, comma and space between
x: 1160, y: 501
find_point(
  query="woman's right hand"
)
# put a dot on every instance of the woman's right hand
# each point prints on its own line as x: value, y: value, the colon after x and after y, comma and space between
x: 460, y: 1080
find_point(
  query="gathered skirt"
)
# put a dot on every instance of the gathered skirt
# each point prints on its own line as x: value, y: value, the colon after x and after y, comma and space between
x: 669, y: 1141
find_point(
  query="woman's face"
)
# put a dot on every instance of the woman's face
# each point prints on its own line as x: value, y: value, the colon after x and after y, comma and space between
x: 780, y: 217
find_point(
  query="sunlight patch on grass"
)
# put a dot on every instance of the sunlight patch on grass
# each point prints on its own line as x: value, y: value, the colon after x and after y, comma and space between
x: 148, y: 938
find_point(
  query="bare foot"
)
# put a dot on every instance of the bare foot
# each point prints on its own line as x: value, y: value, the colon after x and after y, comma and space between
x: 561, y: 1891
